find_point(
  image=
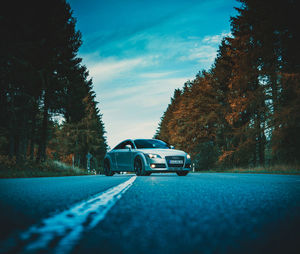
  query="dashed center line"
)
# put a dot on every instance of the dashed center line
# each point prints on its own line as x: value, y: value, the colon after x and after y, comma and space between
x: 65, y: 228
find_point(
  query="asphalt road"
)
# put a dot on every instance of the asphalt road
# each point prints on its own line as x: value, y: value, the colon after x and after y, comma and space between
x: 199, y: 213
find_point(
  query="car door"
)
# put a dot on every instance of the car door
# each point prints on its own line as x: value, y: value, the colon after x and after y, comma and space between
x: 116, y: 152
x: 124, y: 157
x: 114, y: 165
x: 129, y: 163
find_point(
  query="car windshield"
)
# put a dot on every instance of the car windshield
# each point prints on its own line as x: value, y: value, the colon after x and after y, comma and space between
x: 150, y: 143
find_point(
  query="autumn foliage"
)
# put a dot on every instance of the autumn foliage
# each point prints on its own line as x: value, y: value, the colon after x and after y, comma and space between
x: 244, y: 111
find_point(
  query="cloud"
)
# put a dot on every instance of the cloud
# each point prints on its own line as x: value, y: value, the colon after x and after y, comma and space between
x: 126, y: 110
x: 115, y: 24
x: 135, y: 91
x: 134, y: 129
x: 152, y: 75
x: 133, y: 28
x: 111, y: 68
x: 132, y: 92
x: 146, y: 94
x: 203, y: 53
x: 215, y: 39
x: 206, y: 50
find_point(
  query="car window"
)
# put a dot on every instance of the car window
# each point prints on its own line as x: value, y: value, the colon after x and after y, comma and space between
x: 130, y: 143
x: 150, y: 143
x: 121, y: 145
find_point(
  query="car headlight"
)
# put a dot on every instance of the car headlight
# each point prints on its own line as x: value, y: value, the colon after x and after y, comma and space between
x: 152, y: 155
x: 188, y: 156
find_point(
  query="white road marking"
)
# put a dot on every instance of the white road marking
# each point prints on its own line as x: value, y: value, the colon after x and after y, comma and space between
x: 67, y: 226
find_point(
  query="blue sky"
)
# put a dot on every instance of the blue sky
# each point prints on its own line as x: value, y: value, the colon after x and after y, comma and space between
x: 139, y: 51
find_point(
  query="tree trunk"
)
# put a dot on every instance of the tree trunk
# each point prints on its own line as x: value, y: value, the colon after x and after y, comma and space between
x: 274, y: 87
x: 12, y: 128
x: 23, y: 132
x: 32, y: 139
x: 261, y: 144
x: 41, y: 156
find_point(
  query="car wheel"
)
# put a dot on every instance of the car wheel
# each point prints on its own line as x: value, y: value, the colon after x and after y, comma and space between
x: 182, y: 173
x: 107, y: 170
x: 139, y: 167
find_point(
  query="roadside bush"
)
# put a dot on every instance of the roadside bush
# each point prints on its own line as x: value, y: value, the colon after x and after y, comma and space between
x: 9, y: 168
x: 6, y: 162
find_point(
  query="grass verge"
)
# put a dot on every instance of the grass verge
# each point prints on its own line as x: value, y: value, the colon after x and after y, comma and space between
x: 277, y: 169
x: 44, y: 169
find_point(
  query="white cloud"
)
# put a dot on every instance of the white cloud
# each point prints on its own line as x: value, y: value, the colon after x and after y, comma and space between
x: 215, y: 39
x: 206, y: 50
x: 134, y: 92
x: 145, y: 89
x: 156, y: 74
x: 134, y: 112
x: 202, y: 54
x: 107, y: 69
x: 110, y: 68
x: 133, y: 130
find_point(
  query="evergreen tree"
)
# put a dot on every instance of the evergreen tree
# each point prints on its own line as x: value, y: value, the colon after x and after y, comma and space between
x: 244, y: 111
x: 41, y: 78
x: 163, y: 131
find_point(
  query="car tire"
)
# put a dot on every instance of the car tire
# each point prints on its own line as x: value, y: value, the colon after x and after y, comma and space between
x: 182, y: 173
x: 139, y: 167
x: 107, y: 169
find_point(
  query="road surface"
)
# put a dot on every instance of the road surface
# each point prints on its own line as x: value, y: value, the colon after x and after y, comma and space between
x: 199, y: 213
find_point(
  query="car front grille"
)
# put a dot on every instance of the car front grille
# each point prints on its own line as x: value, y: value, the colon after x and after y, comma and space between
x: 175, y: 164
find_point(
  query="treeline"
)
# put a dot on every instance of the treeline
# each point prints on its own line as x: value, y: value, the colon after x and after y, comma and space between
x: 244, y: 111
x: 47, y: 103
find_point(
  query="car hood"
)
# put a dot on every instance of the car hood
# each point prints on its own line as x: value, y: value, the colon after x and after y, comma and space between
x: 164, y: 152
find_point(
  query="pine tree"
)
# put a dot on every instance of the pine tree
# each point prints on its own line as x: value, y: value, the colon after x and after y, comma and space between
x: 163, y: 132
x: 42, y: 77
x: 245, y: 109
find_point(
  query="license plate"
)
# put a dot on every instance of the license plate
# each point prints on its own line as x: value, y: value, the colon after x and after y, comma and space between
x: 175, y: 162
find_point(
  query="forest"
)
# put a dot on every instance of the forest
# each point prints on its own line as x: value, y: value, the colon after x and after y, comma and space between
x: 48, y: 109
x: 242, y: 112
x: 245, y: 110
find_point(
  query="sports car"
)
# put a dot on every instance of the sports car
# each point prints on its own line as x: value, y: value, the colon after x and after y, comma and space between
x: 146, y: 156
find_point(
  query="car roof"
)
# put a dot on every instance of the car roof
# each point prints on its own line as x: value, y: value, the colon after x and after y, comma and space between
x: 146, y: 139
x: 132, y: 140
x: 136, y: 139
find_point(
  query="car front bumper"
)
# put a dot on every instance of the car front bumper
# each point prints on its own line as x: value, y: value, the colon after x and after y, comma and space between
x: 162, y: 165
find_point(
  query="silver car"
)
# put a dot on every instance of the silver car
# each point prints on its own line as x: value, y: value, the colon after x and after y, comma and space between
x: 146, y: 156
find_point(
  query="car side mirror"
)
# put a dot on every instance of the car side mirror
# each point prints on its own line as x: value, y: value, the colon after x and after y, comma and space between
x: 172, y: 147
x: 128, y: 147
